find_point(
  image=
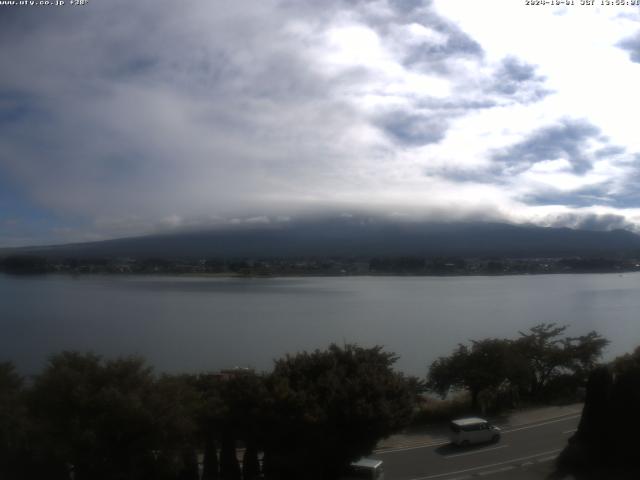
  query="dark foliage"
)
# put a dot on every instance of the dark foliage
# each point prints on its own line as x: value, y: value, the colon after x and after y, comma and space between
x: 605, y: 444
x: 540, y: 365
x: 332, y: 407
x: 13, y: 421
x: 97, y: 419
x: 26, y: 264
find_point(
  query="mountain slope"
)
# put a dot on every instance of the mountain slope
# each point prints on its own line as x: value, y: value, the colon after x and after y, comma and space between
x: 357, y: 237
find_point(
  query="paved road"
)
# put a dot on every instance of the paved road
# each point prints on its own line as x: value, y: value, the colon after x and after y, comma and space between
x: 523, y: 448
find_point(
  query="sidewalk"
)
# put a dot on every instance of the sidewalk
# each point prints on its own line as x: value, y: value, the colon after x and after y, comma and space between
x: 435, y: 434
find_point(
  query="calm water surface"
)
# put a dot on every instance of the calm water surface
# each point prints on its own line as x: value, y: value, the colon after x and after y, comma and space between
x: 189, y: 324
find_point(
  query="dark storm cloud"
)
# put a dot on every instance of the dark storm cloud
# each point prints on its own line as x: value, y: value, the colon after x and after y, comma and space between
x: 569, y: 140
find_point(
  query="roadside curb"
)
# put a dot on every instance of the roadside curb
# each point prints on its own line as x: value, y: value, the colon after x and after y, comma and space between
x: 441, y: 440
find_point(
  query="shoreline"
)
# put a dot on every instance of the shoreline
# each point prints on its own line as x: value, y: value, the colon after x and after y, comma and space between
x: 308, y: 275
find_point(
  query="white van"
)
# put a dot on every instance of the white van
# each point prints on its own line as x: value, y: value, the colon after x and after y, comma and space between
x: 466, y: 431
x: 365, y: 468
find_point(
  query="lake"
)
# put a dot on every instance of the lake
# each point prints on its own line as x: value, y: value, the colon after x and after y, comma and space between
x: 196, y: 324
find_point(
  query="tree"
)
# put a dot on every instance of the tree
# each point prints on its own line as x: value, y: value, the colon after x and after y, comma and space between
x: 210, y: 459
x: 244, y: 399
x: 528, y: 364
x: 229, y: 466
x: 112, y: 419
x: 548, y: 355
x: 174, y: 404
x: 328, y: 408
x: 628, y: 363
x: 13, y: 422
x: 483, y: 366
x: 28, y: 264
x: 232, y: 409
x: 605, y: 444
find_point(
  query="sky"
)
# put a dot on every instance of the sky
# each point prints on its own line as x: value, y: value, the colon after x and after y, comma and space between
x: 122, y: 118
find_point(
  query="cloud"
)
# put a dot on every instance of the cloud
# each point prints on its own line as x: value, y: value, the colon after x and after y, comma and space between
x: 581, y: 197
x: 570, y: 140
x: 413, y: 129
x: 224, y: 112
x: 436, y: 51
x: 625, y: 189
x: 518, y: 80
x: 632, y: 45
x: 590, y: 221
x: 207, y: 114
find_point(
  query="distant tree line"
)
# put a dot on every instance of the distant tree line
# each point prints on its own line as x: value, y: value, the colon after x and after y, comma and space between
x: 540, y: 365
x: 394, y: 265
x: 87, y: 418
x: 25, y: 264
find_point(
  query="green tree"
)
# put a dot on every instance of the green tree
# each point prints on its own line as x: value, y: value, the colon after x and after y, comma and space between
x: 209, y: 419
x: 328, y: 408
x: 605, y: 445
x: 113, y: 419
x: 244, y: 400
x: 13, y: 422
x: 549, y: 355
x: 174, y: 403
x: 627, y: 363
x: 529, y: 365
x: 482, y: 366
x: 94, y: 415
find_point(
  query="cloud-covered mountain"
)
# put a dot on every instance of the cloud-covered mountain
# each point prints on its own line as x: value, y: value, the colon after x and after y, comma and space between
x: 219, y: 111
x: 358, y: 237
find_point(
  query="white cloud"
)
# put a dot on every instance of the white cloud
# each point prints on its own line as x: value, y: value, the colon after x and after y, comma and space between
x: 208, y: 113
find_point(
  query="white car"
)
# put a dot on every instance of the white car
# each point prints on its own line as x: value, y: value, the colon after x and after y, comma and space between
x: 465, y: 431
x: 365, y: 469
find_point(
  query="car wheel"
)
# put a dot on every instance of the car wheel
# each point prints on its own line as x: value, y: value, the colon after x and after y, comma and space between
x: 465, y: 443
x: 495, y: 438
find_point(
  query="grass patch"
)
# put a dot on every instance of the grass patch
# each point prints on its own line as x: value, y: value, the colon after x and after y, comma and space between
x: 434, y: 410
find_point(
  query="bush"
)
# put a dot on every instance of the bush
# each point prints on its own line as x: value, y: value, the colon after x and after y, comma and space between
x: 433, y: 410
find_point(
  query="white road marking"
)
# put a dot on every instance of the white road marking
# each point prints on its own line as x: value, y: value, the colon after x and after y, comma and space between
x: 564, y: 419
x: 546, y: 459
x: 496, y: 470
x: 442, y: 441
x: 440, y: 475
x: 475, y: 451
x: 566, y: 432
x: 417, y: 447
